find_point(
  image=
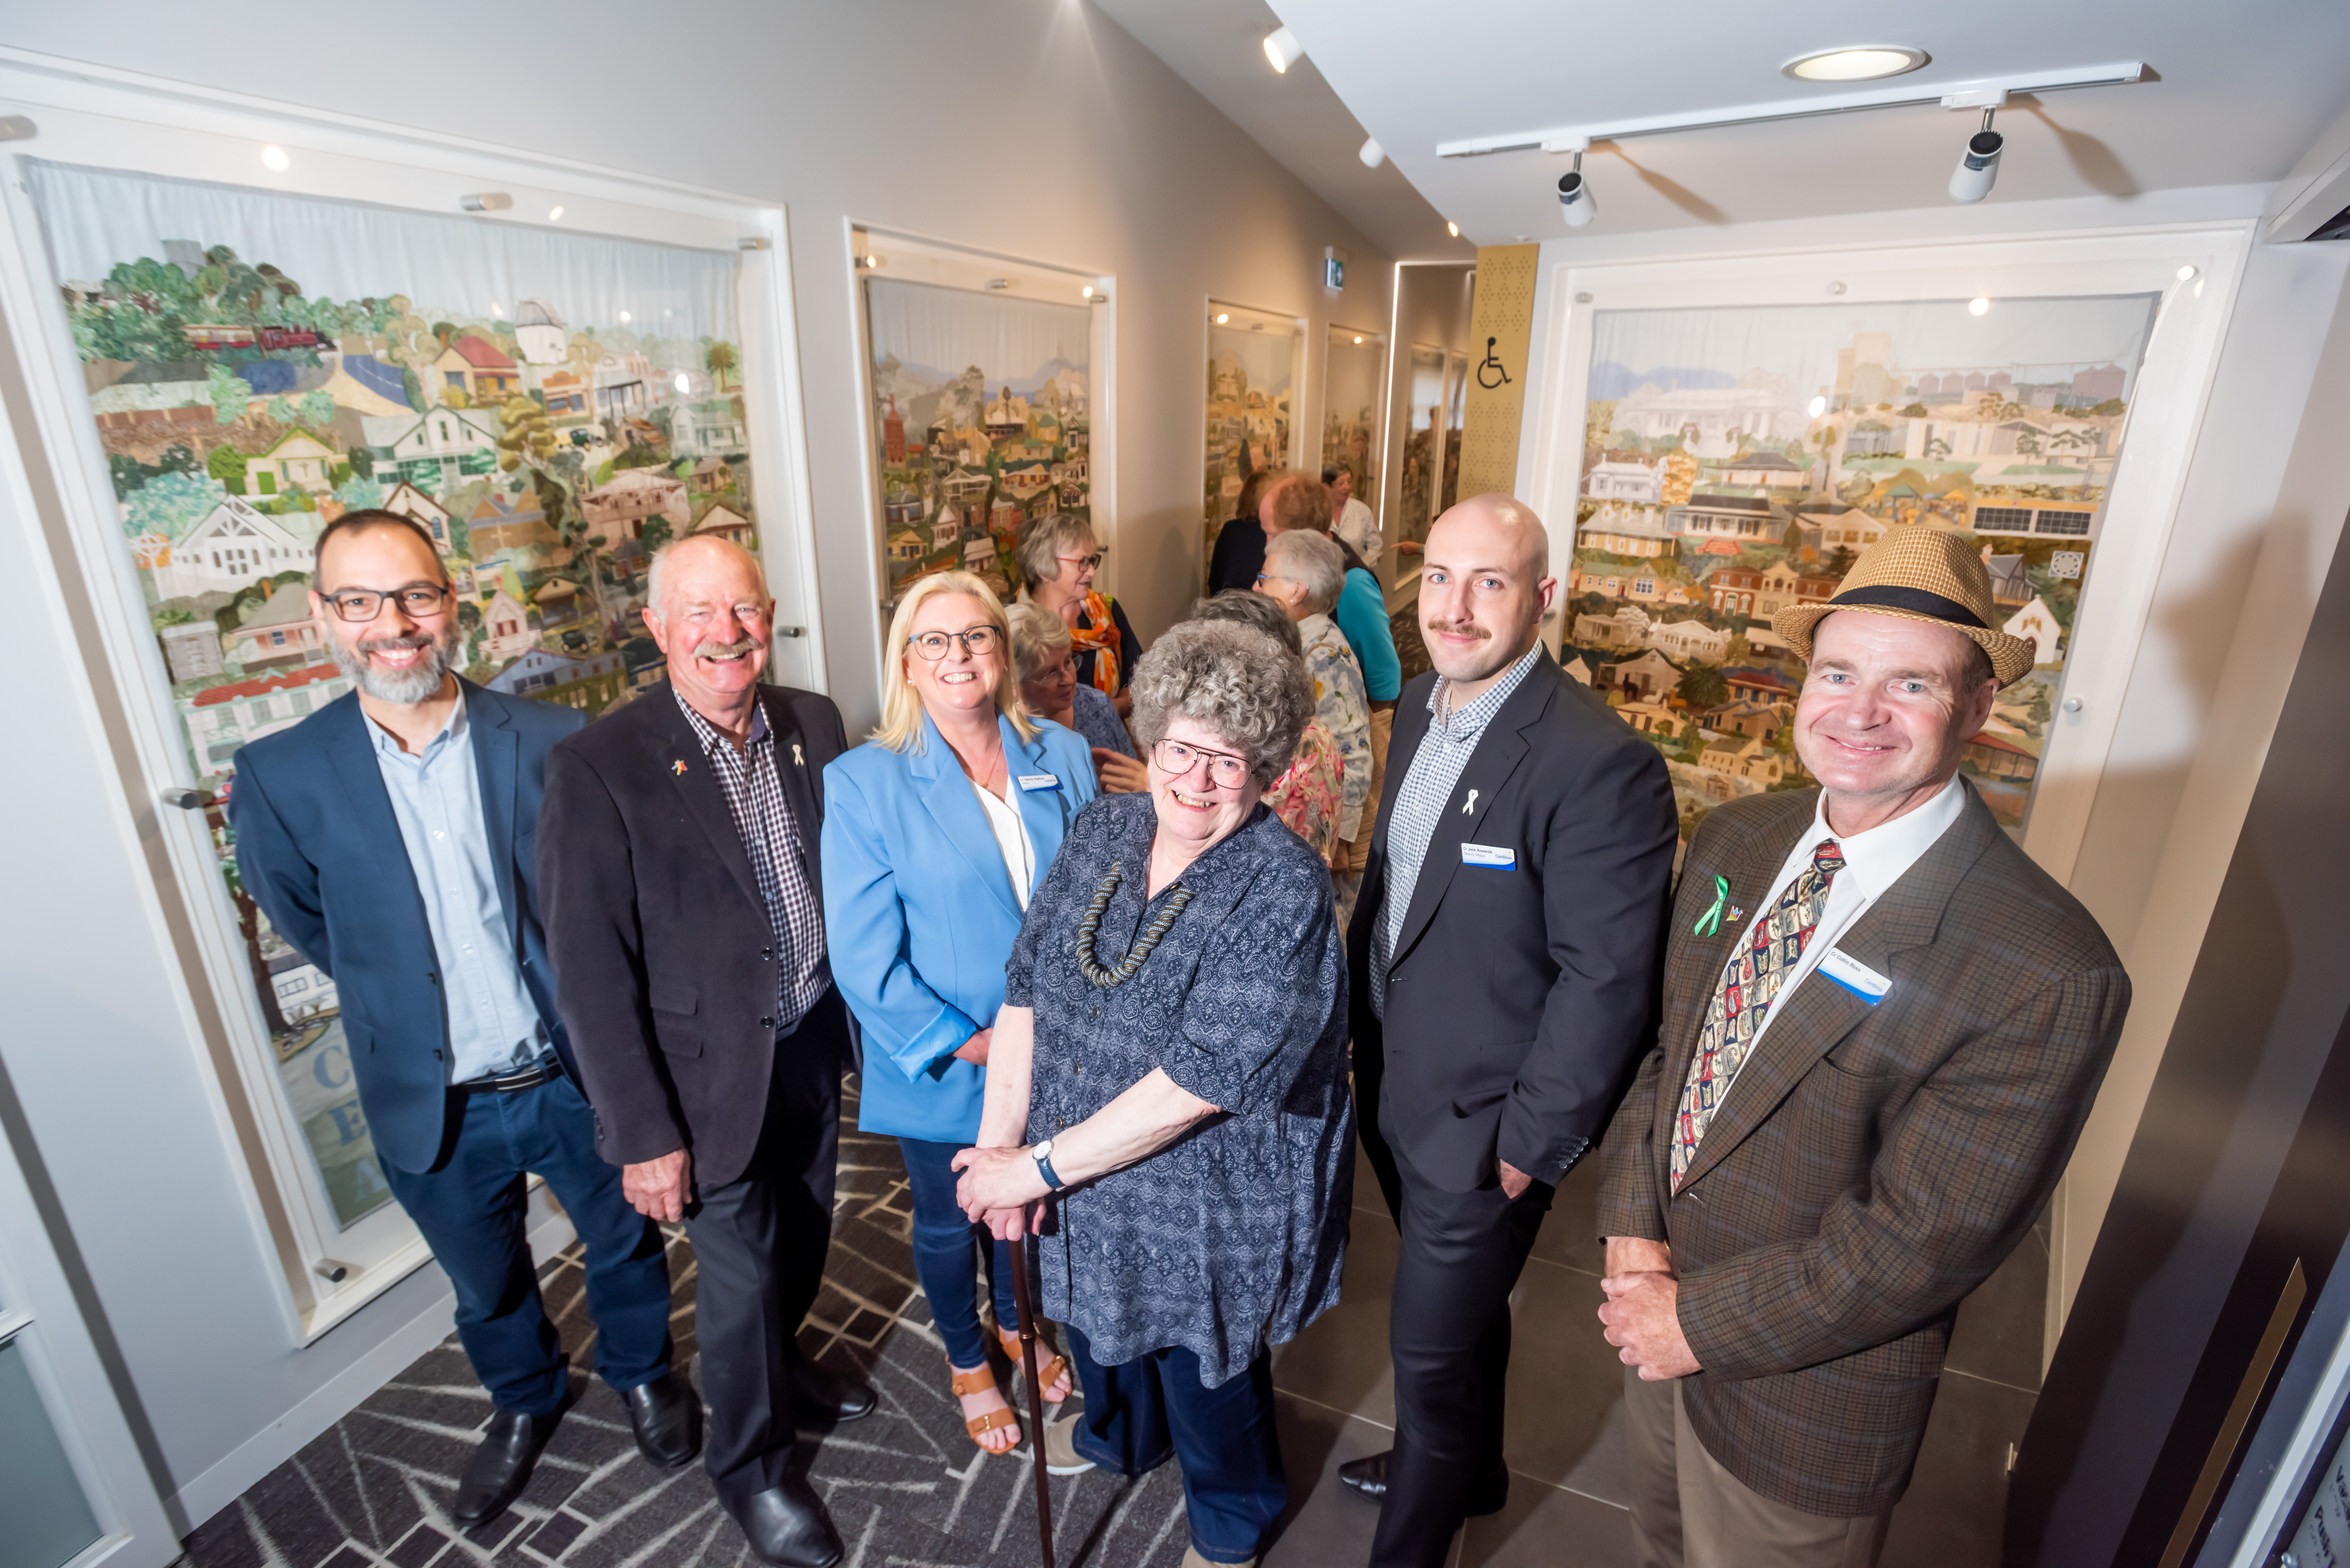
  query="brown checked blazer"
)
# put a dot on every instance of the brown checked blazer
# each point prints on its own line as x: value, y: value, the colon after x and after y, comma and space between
x: 1870, y: 1164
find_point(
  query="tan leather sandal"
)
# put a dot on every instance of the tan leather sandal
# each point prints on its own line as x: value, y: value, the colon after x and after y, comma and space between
x: 1049, y: 1372
x: 981, y: 1381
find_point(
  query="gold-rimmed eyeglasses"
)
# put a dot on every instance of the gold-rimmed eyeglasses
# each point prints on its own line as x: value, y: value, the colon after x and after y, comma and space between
x: 1177, y: 759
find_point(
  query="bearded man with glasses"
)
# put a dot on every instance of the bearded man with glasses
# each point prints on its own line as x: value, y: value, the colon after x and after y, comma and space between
x: 388, y: 837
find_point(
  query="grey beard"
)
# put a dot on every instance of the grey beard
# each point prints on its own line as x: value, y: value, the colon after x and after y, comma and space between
x: 402, y: 688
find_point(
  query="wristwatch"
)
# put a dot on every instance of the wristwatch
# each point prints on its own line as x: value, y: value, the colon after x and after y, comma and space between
x: 1043, y: 1154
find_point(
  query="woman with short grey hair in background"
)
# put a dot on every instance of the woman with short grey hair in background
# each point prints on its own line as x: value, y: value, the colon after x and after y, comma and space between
x: 1058, y: 554
x: 1168, y: 1074
x: 1043, y: 659
x: 1303, y: 576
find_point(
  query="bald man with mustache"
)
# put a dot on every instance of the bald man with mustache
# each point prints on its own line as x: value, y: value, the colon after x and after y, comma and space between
x: 1504, y: 961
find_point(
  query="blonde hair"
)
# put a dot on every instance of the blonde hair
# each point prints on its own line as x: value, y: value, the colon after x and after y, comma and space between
x: 901, y: 727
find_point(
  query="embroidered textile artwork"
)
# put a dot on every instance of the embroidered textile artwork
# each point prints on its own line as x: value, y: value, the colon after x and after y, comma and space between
x: 550, y: 408
x: 1740, y: 460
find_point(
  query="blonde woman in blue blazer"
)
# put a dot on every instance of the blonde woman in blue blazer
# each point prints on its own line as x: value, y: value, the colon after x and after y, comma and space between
x: 935, y: 832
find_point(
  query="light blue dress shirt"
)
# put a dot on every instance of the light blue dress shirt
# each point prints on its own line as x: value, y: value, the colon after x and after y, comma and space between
x: 493, y: 1026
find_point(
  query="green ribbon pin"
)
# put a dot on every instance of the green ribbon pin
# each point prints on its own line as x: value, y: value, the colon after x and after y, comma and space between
x: 1710, y: 921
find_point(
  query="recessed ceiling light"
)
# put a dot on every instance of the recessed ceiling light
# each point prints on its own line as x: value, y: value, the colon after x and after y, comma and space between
x: 1223, y: 317
x: 2186, y: 272
x: 1452, y: 229
x: 1862, y: 64
x: 1978, y: 307
x: 555, y: 213
x: 1281, y: 47
x: 274, y: 157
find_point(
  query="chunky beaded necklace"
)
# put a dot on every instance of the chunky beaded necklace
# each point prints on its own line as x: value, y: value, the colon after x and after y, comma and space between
x: 1131, y: 964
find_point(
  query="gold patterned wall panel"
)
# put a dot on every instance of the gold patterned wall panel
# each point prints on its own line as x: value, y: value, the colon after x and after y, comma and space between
x: 1501, y: 323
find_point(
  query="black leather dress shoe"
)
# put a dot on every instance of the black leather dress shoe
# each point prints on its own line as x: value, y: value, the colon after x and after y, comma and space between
x: 825, y: 1394
x: 787, y: 1526
x: 1368, y: 1476
x: 667, y: 1419
x: 501, y: 1466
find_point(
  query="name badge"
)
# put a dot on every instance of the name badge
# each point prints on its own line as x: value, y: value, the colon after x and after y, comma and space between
x: 1500, y: 857
x: 1039, y: 780
x: 1854, y: 976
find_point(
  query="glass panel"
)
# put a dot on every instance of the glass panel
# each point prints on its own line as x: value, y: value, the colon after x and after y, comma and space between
x: 1425, y: 410
x: 1739, y: 460
x: 982, y: 418
x: 1352, y: 393
x: 550, y: 407
x: 1251, y: 364
x: 48, y: 1519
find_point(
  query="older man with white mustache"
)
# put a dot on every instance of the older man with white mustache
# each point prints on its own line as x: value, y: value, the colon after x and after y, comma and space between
x: 680, y: 850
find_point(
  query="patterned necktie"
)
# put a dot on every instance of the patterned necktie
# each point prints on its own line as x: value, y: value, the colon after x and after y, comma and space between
x: 1742, y: 999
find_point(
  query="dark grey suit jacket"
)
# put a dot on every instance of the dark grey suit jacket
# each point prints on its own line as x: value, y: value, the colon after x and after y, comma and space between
x: 664, y: 961
x: 1517, y: 1000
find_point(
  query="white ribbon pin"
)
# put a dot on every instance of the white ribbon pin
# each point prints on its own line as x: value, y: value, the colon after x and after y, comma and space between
x: 797, y: 760
x: 1470, y: 804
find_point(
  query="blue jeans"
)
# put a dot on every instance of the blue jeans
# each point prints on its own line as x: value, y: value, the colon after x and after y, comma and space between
x: 1140, y: 1412
x: 470, y: 1206
x: 945, y: 1259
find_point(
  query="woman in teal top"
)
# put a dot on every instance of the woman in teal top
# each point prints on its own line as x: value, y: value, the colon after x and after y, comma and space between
x: 935, y: 833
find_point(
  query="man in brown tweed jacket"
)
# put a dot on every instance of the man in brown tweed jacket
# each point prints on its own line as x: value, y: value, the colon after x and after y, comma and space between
x: 1883, y: 1028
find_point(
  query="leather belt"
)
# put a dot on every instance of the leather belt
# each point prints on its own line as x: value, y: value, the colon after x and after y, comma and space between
x: 546, y: 1069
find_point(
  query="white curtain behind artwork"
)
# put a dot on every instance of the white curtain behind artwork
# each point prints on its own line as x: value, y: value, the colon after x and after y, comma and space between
x: 946, y: 330
x: 464, y: 266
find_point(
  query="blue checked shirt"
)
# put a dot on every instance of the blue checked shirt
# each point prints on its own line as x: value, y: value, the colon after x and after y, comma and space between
x: 1421, y: 800
x: 436, y: 798
x: 771, y: 840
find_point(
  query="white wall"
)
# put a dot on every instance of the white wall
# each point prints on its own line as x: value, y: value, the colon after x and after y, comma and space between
x: 2266, y: 492
x: 1029, y: 128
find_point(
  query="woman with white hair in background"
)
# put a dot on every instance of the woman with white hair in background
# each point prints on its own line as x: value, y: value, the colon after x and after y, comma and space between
x: 1304, y: 575
x: 935, y: 833
x: 1060, y: 555
x: 1043, y: 656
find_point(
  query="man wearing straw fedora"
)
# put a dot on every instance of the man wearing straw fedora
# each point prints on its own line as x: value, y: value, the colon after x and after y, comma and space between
x: 1883, y: 1028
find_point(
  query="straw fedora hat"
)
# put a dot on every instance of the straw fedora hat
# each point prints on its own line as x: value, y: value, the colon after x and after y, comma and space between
x: 1917, y: 573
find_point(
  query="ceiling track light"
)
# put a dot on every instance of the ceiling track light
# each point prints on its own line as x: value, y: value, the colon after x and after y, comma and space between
x: 1978, y: 94
x: 1979, y: 165
x: 1574, y: 202
x: 1281, y: 47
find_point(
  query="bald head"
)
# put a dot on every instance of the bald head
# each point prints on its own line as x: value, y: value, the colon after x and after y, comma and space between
x: 1484, y: 587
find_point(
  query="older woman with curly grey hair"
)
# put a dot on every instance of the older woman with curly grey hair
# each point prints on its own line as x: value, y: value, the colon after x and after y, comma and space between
x: 1169, y: 1075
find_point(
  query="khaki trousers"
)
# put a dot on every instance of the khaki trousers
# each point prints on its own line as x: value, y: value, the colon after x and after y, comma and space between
x: 1358, y: 849
x: 1688, y: 1512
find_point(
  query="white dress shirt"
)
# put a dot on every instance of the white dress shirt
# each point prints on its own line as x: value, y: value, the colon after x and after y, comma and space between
x: 1012, y: 841
x: 1873, y: 862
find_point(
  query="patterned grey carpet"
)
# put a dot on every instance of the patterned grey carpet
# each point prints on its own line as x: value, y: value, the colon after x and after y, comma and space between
x: 906, y: 1486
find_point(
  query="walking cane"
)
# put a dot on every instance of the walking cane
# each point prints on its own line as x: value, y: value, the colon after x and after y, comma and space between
x: 1021, y: 1298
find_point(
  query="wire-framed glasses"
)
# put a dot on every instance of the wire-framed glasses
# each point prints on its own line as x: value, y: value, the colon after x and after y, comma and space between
x: 418, y: 599
x: 1177, y: 760
x: 978, y: 641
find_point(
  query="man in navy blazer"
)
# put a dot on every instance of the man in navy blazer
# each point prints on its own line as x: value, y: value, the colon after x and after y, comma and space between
x: 388, y: 836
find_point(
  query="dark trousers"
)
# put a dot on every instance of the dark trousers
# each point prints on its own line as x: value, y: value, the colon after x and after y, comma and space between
x: 759, y: 1243
x: 1449, y: 1337
x: 947, y: 1254
x: 470, y: 1208
x: 1140, y: 1412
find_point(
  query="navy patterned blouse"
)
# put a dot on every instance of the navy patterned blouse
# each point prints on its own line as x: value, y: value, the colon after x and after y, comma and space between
x: 1228, y: 1241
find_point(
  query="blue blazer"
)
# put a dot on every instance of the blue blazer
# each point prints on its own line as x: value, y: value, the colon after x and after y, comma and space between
x: 920, y: 917
x: 319, y: 850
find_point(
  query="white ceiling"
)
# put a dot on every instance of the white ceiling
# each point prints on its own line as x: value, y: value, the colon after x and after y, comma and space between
x: 2236, y: 93
x: 1218, y: 47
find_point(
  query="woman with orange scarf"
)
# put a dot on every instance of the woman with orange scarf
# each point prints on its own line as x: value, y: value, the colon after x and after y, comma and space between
x: 1058, y: 554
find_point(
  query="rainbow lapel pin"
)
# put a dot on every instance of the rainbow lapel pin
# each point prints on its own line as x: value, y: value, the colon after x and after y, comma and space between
x: 1736, y: 914
x: 677, y: 768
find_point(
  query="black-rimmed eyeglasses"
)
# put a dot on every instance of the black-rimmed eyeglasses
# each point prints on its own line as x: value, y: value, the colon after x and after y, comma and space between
x: 979, y: 641
x: 417, y: 600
